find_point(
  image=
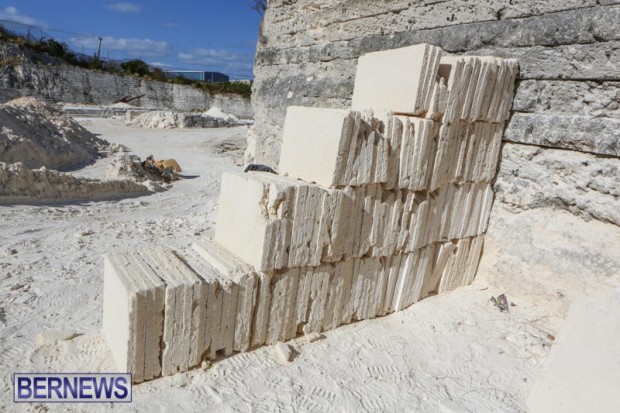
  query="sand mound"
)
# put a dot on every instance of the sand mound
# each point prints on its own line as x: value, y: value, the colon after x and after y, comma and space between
x: 174, y: 120
x: 19, y: 184
x: 158, y: 120
x: 37, y: 134
x: 218, y: 113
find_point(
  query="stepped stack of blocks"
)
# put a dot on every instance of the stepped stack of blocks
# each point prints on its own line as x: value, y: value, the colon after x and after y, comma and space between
x: 375, y: 208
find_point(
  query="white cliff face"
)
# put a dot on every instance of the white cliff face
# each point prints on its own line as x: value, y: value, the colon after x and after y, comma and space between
x: 27, y: 74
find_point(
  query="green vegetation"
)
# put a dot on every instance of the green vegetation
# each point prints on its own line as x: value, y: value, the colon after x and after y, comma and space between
x: 134, y: 67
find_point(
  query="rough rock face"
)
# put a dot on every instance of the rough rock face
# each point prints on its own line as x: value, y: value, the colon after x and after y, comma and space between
x: 38, y: 134
x: 584, y: 184
x: 564, y: 134
x: 24, y: 73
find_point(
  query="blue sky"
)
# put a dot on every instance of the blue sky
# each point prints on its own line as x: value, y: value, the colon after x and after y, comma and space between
x: 199, y: 35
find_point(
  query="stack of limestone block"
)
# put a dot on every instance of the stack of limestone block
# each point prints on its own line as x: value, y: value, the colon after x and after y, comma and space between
x: 375, y: 208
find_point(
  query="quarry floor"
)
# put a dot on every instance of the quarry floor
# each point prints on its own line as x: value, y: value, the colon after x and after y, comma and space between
x: 452, y: 353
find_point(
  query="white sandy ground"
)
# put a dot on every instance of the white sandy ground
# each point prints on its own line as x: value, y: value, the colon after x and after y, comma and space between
x: 451, y: 353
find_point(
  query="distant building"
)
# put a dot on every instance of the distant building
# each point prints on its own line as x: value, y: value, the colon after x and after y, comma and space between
x: 209, y: 77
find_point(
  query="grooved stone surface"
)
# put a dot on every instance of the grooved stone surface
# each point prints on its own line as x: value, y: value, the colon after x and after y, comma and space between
x: 579, y: 133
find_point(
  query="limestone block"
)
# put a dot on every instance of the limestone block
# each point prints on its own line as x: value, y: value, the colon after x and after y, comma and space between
x: 459, y: 264
x: 321, y: 279
x: 133, y: 314
x: 263, y: 305
x: 284, y: 287
x: 274, y: 222
x: 466, y: 152
x: 398, y: 80
x: 364, y: 295
x: 306, y: 224
x: 314, y: 143
x: 477, y: 89
x: 334, y: 147
x: 185, y: 314
x: 216, y: 283
x: 417, y: 151
x: 255, y: 218
x: 342, y: 287
x: 244, y: 278
x: 391, y: 269
x: 582, y: 369
x: 415, y: 269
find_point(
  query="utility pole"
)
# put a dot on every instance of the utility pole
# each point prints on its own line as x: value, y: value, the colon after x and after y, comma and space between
x: 99, y: 49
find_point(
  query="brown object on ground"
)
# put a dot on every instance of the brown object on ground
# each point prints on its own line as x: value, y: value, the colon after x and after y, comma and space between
x: 168, y: 163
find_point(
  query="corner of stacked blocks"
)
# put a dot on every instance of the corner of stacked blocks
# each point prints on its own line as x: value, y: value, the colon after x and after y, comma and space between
x: 375, y: 208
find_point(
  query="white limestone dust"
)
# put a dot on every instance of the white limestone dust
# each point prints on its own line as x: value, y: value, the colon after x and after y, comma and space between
x: 376, y: 214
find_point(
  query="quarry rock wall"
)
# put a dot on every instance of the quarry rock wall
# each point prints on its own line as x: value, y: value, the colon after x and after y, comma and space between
x: 562, y: 143
x: 24, y: 73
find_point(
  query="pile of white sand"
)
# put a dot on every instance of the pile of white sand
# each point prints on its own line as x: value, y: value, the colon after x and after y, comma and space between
x: 38, y: 134
x: 158, y: 120
x: 218, y: 113
x: 19, y: 184
x: 213, y: 118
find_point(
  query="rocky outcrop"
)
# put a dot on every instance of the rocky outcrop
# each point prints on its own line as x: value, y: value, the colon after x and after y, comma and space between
x: 562, y: 141
x: 24, y: 73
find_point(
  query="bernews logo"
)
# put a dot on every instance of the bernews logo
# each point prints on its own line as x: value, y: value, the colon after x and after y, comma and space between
x: 72, y: 388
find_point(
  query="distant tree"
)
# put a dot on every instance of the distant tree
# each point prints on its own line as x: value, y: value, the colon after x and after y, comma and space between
x: 260, y: 6
x: 137, y: 67
x: 158, y: 74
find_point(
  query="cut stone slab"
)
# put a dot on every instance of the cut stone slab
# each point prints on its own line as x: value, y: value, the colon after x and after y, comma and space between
x: 255, y: 218
x: 398, y: 80
x: 184, y: 319
x: 477, y: 89
x: 334, y: 147
x: 215, y: 283
x: 243, y: 282
x: 315, y: 143
x: 583, y: 366
x: 459, y: 265
x: 417, y: 152
x: 133, y: 314
x: 466, y: 152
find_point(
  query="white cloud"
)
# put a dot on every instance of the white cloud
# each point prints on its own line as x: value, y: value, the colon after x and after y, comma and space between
x: 12, y: 14
x: 133, y: 47
x: 125, y: 7
x: 219, y: 59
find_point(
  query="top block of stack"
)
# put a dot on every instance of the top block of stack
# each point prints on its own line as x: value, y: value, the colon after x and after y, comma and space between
x: 399, y: 81
x: 473, y: 88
